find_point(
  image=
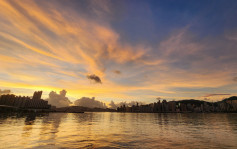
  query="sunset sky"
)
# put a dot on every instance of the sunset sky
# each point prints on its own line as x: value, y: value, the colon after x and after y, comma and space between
x: 120, y: 50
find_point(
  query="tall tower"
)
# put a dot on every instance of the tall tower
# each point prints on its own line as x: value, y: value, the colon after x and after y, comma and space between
x: 37, y: 95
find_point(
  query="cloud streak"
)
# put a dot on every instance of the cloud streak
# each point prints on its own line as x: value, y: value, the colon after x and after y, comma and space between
x: 117, y: 72
x: 210, y: 95
x: 235, y: 79
x: 66, y: 42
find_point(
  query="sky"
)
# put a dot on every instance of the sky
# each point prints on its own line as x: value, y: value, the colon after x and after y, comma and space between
x: 126, y: 50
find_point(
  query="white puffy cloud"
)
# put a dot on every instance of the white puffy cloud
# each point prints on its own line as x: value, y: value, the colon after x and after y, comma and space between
x: 59, y: 100
x: 89, y: 102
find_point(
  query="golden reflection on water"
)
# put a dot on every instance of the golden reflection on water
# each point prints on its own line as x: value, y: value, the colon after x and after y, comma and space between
x: 118, y: 130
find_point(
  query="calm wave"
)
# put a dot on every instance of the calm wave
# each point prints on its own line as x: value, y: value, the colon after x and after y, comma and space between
x: 119, y: 130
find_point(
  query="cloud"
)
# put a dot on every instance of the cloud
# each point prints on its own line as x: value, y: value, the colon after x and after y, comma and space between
x: 117, y: 72
x: 95, y: 78
x: 112, y: 105
x: 2, y: 92
x: 158, y: 98
x: 206, y: 99
x: 64, y: 44
x: 89, y: 102
x: 235, y: 79
x: 59, y: 100
x: 209, y: 95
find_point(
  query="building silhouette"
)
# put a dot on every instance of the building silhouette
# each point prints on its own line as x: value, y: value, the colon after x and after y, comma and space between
x: 191, y: 105
x: 24, y: 102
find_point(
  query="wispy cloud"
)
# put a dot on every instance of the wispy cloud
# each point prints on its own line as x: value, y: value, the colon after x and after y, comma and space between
x: 210, y: 95
x: 117, y: 72
x: 64, y: 44
x: 235, y: 78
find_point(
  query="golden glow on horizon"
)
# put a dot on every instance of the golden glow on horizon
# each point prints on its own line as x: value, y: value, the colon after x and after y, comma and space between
x: 47, y: 49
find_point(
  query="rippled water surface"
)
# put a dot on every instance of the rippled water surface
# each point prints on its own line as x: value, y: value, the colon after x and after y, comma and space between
x: 118, y: 130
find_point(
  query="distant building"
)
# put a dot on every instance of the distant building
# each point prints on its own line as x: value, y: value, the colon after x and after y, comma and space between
x: 25, y: 102
x: 37, y: 95
x: 191, y: 105
x: 172, y: 106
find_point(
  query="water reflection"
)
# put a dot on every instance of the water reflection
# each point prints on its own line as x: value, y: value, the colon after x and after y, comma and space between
x: 118, y: 130
x: 30, y: 119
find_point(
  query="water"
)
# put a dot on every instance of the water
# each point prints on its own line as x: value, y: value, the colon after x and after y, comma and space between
x: 119, y: 130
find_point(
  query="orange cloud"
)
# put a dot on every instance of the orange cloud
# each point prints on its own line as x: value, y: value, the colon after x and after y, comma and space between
x: 59, y: 47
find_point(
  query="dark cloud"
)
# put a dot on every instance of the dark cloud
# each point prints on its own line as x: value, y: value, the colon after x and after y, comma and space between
x: 209, y: 95
x: 90, y: 103
x: 4, y: 92
x: 158, y: 98
x: 206, y: 99
x: 117, y: 71
x: 59, y: 100
x: 235, y: 79
x: 94, y: 77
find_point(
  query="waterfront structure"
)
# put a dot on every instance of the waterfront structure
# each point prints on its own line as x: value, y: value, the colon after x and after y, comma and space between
x: 24, y: 102
x: 226, y: 105
x: 37, y: 95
